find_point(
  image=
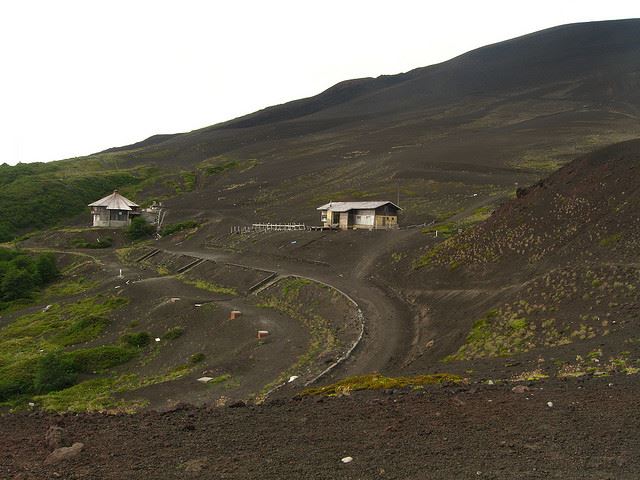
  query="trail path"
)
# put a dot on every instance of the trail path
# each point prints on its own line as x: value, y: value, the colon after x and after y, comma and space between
x: 388, y: 325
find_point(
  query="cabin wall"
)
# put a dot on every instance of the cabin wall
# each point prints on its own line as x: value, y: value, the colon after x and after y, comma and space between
x: 344, y: 220
x: 109, y: 218
x: 386, y: 221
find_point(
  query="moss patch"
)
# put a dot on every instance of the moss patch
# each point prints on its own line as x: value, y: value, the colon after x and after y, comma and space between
x: 379, y: 382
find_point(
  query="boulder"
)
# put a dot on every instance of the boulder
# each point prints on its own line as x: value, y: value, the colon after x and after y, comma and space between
x: 64, y: 453
x: 54, y: 438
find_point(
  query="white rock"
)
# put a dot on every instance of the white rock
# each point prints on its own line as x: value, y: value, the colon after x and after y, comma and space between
x: 157, y: 339
x: 549, y: 404
x: 347, y: 460
x: 205, y: 379
x: 31, y: 404
x: 490, y: 382
x: 292, y: 378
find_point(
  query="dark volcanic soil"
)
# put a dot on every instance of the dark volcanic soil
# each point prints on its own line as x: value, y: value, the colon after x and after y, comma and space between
x: 590, y: 431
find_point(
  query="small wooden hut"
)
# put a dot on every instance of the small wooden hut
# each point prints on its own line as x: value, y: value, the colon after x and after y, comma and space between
x: 372, y: 215
x: 113, y: 211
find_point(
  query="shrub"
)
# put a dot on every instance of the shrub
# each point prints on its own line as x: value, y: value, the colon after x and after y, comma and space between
x: 46, y: 268
x: 177, y: 227
x: 90, y: 360
x: 196, y: 358
x: 54, y: 372
x: 17, y: 283
x: 140, y: 229
x: 173, y: 333
x: 17, y: 379
x: 99, y: 243
x: 21, y: 274
x: 139, y: 340
x: 83, y: 330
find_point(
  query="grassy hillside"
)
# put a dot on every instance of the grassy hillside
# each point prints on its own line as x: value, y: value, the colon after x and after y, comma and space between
x: 40, y: 195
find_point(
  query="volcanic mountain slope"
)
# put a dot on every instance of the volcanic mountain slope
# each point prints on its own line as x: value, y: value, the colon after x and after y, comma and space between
x: 503, y: 114
x: 500, y: 115
x: 551, y: 278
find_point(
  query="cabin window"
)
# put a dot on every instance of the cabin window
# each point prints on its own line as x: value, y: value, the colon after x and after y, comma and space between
x: 116, y: 215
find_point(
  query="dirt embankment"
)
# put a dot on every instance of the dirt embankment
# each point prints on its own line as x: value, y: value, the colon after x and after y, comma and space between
x: 569, y: 430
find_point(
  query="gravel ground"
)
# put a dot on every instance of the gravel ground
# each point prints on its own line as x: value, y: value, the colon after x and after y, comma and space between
x: 589, y: 430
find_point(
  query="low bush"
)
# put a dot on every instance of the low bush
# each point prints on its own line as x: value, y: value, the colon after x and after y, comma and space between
x: 54, y: 372
x: 196, y: 358
x: 22, y: 274
x: 138, y: 340
x: 177, y: 227
x: 83, y: 330
x: 140, y: 229
x: 173, y: 333
x: 100, y: 358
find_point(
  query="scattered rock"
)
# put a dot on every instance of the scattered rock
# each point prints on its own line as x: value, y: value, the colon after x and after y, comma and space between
x: 195, y: 465
x: 64, y: 453
x: 520, y: 389
x: 54, y: 438
x: 347, y: 460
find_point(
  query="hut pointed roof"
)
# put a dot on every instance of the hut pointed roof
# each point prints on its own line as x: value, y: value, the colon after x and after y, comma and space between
x: 115, y: 201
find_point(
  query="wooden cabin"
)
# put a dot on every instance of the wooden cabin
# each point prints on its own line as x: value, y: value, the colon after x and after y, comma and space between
x: 113, y: 211
x: 372, y: 215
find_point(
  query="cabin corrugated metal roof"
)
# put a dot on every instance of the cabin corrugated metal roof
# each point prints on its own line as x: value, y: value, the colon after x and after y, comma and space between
x: 115, y: 201
x: 346, y: 206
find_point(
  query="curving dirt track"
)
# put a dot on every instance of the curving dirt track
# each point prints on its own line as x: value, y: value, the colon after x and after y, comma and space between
x: 389, y: 330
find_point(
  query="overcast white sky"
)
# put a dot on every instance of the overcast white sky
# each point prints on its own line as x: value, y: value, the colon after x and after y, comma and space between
x: 80, y: 76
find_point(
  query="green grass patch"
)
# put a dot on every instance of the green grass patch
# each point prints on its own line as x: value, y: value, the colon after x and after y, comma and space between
x: 136, y: 340
x: 94, y: 395
x: 219, y: 379
x: 445, y: 230
x: 494, y: 335
x: 196, y: 358
x: 82, y: 330
x: 101, y: 358
x: 173, y: 333
x: 208, y: 286
x: 610, y: 240
x: 68, y: 287
x: 99, y: 243
x: 178, y: 227
x: 35, y: 343
x: 292, y: 286
x: 380, y: 382
x: 429, y: 257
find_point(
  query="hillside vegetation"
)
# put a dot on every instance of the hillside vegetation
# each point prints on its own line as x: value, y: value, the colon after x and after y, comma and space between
x: 40, y: 195
x: 22, y: 274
